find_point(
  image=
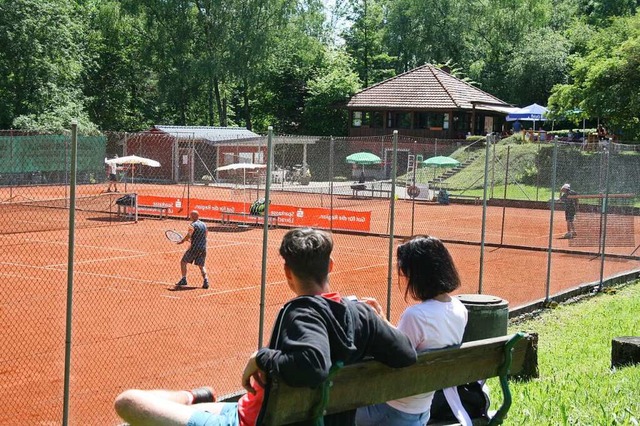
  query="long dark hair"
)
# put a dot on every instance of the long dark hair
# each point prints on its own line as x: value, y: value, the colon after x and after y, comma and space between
x: 428, y: 266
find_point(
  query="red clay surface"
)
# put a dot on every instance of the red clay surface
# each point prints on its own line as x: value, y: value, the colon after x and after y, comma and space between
x: 131, y: 328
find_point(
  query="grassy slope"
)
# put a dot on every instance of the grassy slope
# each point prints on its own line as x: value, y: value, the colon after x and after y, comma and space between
x: 576, y: 385
x: 581, y: 168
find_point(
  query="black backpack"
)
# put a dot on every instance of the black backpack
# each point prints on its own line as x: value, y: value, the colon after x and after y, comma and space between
x: 474, y: 400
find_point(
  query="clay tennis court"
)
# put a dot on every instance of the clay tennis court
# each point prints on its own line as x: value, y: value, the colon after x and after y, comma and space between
x: 132, y: 328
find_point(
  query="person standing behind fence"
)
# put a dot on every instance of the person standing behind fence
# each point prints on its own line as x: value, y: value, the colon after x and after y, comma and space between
x: 197, y: 252
x: 570, y: 208
x: 428, y: 274
x: 313, y: 331
x: 113, y: 175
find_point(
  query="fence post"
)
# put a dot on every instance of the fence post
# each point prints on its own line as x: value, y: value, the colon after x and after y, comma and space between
x: 394, y: 171
x: 265, y: 234
x: 70, y: 256
x: 553, y: 208
x: 487, y: 143
x: 605, y: 208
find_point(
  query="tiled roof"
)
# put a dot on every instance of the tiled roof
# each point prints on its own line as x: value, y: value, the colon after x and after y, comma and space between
x: 211, y: 134
x: 425, y: 87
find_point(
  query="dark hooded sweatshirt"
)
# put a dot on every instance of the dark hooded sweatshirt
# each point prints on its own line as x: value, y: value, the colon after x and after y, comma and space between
x: 311, y: 333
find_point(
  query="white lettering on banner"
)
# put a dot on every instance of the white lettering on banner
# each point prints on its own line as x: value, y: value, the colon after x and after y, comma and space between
x: 158, y: 204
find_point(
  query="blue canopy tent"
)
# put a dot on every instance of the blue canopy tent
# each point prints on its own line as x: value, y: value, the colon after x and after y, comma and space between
x: 533, y: 112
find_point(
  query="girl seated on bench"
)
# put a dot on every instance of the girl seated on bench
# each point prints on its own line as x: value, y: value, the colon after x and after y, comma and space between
x: 428, y: 274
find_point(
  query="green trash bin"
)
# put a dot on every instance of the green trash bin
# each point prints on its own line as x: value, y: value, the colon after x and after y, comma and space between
x: 488, y: 316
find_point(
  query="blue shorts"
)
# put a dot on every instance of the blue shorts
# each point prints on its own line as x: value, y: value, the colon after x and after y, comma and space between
x: 228, y: 417
x: 197, y: 257
x: 384, y: 415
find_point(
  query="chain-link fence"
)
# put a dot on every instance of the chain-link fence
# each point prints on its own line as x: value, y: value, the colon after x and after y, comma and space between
x: 496, y: 205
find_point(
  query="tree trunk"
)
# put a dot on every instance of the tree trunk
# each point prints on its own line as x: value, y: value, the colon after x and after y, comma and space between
x: 222, y: 106
x: 625, y: 351
x: 247, y: 109
x: 210, y: 101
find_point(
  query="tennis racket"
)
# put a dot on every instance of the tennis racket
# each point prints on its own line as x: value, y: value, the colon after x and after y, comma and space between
x: 173, y: 236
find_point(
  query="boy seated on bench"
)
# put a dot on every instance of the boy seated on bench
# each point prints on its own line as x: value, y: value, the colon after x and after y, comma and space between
x: 312, y: 332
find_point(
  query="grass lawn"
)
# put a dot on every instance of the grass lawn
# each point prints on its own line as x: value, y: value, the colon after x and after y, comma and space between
x: 576, y: 384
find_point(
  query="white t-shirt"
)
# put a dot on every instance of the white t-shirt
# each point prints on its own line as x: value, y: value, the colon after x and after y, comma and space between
x: 113, y: 168
x: 430, y: 325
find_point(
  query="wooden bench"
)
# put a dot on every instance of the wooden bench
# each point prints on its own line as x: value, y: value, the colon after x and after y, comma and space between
x: 227, y: 216
x: 163, y: 212
x: 475, y: 198
x: 363, y: 188
x: 370, y: 382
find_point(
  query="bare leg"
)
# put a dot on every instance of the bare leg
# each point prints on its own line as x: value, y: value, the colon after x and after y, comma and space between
x: 159, y: 407
x: 183, y: 269
x: 203, y: 271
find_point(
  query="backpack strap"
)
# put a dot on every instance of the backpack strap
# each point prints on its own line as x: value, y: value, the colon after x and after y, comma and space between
x: 457, y: 408
x: 503, y: 373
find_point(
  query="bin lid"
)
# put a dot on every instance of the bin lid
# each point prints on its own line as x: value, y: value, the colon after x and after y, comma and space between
x: 479, y: 299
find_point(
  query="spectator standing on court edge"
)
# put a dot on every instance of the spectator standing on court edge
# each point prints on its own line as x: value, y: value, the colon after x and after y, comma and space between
x: 311, y: 333
x: 427, y: 274
x: 570, y: 208
x: 197, y: 252
x: 113, y: 175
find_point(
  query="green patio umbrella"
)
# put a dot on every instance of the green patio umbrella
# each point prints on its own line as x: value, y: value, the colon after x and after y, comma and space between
x: 363, y: 158
x: 440, y: 162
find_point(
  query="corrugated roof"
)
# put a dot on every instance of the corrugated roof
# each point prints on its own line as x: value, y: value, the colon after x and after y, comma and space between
x: 425, y: 87
x: 210, y: 134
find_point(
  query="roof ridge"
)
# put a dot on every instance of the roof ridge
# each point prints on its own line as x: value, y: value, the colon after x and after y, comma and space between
x: 478, y: 89
x: 437, y: 77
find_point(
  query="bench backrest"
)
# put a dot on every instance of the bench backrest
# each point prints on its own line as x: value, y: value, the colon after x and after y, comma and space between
x: 371, y: 382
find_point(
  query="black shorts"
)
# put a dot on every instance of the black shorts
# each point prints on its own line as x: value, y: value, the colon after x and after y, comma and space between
x: 197, y: 257
x: 112, y: 177
x: 569, y: 214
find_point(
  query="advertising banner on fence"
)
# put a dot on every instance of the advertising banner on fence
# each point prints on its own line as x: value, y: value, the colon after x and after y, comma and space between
x: 287, y: 215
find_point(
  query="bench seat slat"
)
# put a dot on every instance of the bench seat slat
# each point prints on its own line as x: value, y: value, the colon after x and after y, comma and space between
x: 371, y: 382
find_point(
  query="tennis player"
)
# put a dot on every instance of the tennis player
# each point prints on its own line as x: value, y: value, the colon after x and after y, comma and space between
x: 197, y: 252
x: 313, y: 331
x: 570, y: 208
x: 113, y: 176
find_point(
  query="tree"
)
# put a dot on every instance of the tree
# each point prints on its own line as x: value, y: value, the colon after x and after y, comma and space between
x: 118, y: 80
x: 363, y: 41
x: 42, y: 58
x: 605, y: 82
x: 325, y: 113
x: 537, y: 64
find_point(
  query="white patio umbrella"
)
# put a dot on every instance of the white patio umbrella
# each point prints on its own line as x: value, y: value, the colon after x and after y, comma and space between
x: 133, y: 160
x: 244, y: 167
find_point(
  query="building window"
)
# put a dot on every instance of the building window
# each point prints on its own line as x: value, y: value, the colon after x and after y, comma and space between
x: 431, y: 120
x: 399, y: 120
x: 357, y: 119
x: 375, y: 119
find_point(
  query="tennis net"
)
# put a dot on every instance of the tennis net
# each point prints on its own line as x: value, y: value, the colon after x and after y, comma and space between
x: 37, y: 215
x: 600, y: 218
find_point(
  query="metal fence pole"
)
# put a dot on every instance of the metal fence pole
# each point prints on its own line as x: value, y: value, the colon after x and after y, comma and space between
x: 394, y: 171
x: 553, y: 208
x: 70, y: 256
x: 265, y: 234
x: 605, y: 208
x: 488, y: 140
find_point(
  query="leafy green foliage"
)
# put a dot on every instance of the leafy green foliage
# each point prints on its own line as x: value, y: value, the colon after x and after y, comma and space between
x: 605, y: 80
